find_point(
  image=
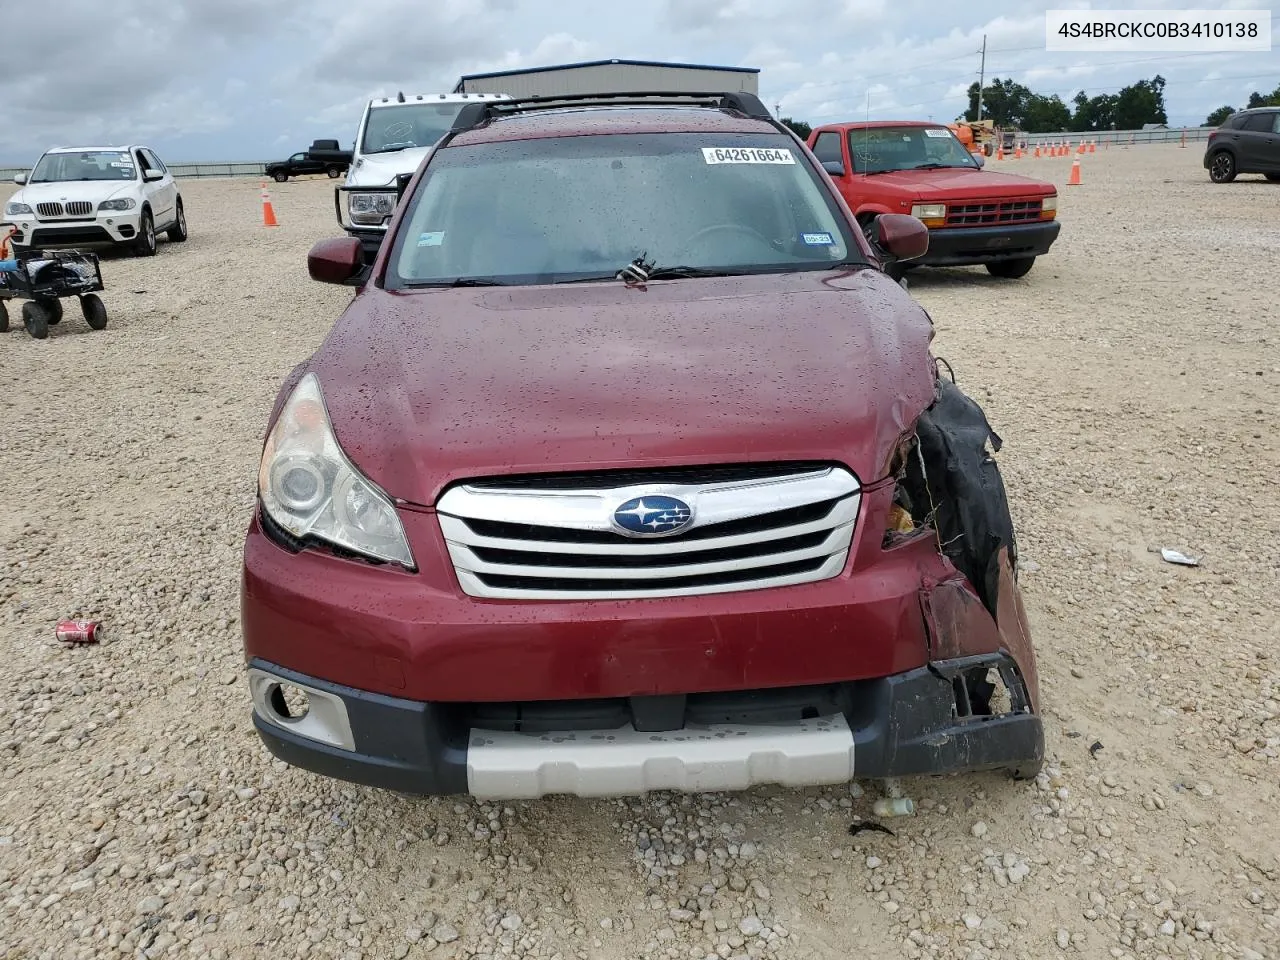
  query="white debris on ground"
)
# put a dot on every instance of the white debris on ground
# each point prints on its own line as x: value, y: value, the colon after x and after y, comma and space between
x: 1132, y: 374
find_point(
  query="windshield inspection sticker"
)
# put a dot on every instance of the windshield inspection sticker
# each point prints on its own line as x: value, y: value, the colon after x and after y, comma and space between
x: 746, y: 155
x: 936, y: 132
x: 435, y: 239
x: 817, y: 239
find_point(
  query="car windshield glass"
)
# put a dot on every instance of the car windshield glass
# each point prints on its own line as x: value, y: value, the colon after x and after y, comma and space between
x: 576, y: 208
x: 84, y: 165
x: 879, y: 149
x: 407, y: 125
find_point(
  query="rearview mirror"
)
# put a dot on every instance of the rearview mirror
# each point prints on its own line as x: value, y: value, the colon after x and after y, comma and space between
x: 151, y: 176
x: 982, y: 161
x: 19, y: 178
x: 903, y: 237
x: 833, y: 167
x: 335, y: 260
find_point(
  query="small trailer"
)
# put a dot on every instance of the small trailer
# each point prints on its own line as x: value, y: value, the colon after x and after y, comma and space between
x: 42, y: 279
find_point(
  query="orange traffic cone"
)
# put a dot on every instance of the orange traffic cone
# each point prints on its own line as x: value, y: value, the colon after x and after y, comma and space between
x: 1184, y: 139
x: 1037, y: 153
x: 268, y: 212
x: 1093, y: 146
x: 1017, y: 153
x: 4, y: 242
x: 1074, y: 179
x: 1000, y: 153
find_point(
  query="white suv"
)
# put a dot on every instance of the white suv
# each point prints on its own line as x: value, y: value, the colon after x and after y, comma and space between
x: 95, y: 196
x: 395, y: 134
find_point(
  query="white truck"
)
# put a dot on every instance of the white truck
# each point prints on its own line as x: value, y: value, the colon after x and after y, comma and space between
x: 395, y: 134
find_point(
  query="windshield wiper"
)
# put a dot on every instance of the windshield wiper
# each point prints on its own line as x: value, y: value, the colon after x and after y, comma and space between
x: 679, y: 273
x: 459, y: 282
x: 942, y: 166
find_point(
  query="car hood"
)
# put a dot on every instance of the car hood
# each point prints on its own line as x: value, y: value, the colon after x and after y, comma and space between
x: 431, y: 387
x: 381, y: 169
x: 956, y: 184
x: 93, y: 191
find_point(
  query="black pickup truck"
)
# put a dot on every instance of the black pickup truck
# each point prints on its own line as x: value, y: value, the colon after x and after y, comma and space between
x: 323, y: 157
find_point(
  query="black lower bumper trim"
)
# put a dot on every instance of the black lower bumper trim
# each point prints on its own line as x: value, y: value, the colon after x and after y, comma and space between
x: 957, y: 246
x: 904, y: 725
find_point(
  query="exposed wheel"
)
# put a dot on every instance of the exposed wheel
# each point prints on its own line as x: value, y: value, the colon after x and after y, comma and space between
x: 145, y: 245
x: 52, y: 309
x: 4, y: 318
x: 1011, y: 269
x: 35, y: 320
x: 178, y: 232
x: 279, y: 176
x: 94, y: 310
x: 1273, y: 177
x: 333, y: 172
x: 1222, y: 167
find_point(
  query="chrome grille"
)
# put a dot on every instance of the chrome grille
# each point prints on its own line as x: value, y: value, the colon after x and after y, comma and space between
x: 49, y: 209
x: 982, y: 213
x: 558, y: 542
x: 79, y: 208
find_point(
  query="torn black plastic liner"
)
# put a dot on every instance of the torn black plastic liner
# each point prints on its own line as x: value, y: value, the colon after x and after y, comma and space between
x: 954, y: 486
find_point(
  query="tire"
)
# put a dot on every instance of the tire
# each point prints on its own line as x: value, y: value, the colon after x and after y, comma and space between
x: 145, y: 245
x: 4, y: 318
x: 1222, y: 167
x: 1011, y: 269
x: 35, y: 320
x: 1273, y: 177
x: 279, y: 176
x: 94, y: 310
x: 52, y: 309
x: 178, y: 232
x: 333, y: 172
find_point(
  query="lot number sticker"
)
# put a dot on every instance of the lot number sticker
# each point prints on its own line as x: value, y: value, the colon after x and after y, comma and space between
x: 746, y: 155
x: 936, y: 132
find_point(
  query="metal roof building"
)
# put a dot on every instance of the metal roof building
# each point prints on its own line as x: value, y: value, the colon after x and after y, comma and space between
x: 613, y: 76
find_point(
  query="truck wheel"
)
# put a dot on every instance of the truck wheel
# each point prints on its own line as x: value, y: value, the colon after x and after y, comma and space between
x: 1222, y: 167
x: 1273, y: 177
x: 1011, y: 269
x: 4, y: 318
x: 53, y: 310
x: 178, y: 232
x: 145, y: 245
x: 35, y: 320
x: 333, y: 172
x: 279, y: 176
x: 94, y: 310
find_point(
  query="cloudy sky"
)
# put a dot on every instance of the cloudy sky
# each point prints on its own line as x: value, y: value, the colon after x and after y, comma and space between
x: 257, y: 79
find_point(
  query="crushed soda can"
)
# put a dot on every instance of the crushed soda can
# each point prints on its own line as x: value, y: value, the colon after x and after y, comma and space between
x: 79, y: 631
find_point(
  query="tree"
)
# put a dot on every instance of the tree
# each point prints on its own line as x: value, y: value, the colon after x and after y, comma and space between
x: 1271, y: 99
x: 801, y: 129
x: 1218, y: 116
x: 1139, y: 103
x: 1094, y: 113
x: 1046, y: 114
x: 1004, y: 102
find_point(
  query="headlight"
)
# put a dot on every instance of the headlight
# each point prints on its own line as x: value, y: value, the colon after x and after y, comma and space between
x: 310, y: 488
x: 16, y: 210
x: 124, y: 203
x: 1049, y: 205
x: 371, y: 208
x: 929, y: 211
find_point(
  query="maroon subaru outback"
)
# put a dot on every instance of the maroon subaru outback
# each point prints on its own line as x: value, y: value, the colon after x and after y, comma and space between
x: 629, y: 468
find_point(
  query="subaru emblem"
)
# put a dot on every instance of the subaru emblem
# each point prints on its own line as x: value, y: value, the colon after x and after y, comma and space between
x: 652, y: 516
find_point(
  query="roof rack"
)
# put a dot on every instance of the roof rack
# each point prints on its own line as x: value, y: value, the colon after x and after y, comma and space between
x: 474, y: 114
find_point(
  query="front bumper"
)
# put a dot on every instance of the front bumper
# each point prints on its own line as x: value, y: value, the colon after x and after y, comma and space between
x: 960, y: 246
x: 105, y: 229
x: 912, y: 723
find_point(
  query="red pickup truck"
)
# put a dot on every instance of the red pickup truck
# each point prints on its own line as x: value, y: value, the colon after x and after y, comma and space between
x: 974, y: 216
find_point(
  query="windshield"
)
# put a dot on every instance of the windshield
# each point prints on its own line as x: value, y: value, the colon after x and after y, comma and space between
x: 557, y: 209
x: 407, y: 125
x: 878, y: 149
x: 85, y: 165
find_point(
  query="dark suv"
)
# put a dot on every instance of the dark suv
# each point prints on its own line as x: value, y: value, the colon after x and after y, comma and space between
x: 628, y: 468
x: 1247, y: 142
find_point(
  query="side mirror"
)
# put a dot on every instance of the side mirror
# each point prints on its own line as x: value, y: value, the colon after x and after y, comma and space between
x: 19, y: 178
x: 833, y: 167
x: 402, y: 183
x: 151, y: 176
x: 903, y: 237
x: 335, y: 260
x: 982, y: 161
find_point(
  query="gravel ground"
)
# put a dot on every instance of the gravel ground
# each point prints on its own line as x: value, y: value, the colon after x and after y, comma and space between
x: 1131, y: 375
